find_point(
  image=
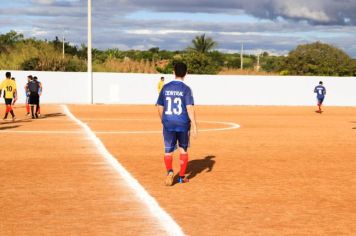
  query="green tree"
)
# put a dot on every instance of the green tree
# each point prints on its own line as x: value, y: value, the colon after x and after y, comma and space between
x: 317, y: 59
x: 353, y: 67
x: 8, y: 41
x: 202, y: 44
x: 271, y: 63
x: 198, y: 63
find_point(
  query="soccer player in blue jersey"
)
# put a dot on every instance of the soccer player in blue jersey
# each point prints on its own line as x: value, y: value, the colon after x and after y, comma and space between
x: 320, y: 95
x: 176, y: 111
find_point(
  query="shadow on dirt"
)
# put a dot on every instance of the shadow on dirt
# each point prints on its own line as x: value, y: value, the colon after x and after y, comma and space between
x: 196, y: 167
x: 51, y: 115
x: 16, y: 121
x: 9, y: 127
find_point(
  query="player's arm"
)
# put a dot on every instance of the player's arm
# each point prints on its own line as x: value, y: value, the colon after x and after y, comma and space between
x: 160, y: 111
x: 15, y: 97
x: 40, y: 89
x: 191, y: 114
x: 160, y: 104
x: 27, y: 92
x: 2, y: 86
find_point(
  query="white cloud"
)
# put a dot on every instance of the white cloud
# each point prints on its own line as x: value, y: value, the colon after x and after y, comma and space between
x: 48, y: 2
x: 293, y: 9
x: 163, y: 32
x: 277, y: 26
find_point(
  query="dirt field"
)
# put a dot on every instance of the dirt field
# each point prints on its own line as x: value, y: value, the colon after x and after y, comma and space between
x: 285, y: 171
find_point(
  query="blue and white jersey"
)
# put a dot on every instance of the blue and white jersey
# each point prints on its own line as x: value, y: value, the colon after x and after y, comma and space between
x: 320, y: 91
x: 174, y: 97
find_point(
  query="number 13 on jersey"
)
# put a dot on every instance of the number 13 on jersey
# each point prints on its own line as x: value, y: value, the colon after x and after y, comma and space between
x: 174, y: 106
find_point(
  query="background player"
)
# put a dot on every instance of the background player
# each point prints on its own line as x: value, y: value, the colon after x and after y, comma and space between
x: 35, y: 90
x: 160, y: 84
x: 320, y: 95
x: 38, y: 109
x: 29, y: 79
x: 176, y: 110
x: 9, y: 86
x: 15, y: 93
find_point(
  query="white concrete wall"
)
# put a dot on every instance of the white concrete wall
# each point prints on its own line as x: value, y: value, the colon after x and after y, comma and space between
x: 121, y: 88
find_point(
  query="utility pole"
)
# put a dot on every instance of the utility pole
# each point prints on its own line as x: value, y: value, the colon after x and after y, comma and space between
x: 258, y: 61
x: 242, y: 56
x: 89, y: 60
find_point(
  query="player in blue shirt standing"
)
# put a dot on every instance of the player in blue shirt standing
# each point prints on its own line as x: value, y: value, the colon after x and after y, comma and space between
x: 176, y: 110
x: 320, y: 91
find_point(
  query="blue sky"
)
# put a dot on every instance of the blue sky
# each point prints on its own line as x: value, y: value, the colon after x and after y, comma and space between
x: 276, y: 26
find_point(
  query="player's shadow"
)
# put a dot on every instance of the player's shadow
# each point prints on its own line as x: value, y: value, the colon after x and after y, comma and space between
x: 16, y: 121
x: 51, y: 115
x: 196, y: 167
x: 9, y: 127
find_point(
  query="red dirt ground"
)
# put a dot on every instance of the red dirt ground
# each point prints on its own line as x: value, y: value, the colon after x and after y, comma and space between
x: 286, y: 171
x: 58, y: 184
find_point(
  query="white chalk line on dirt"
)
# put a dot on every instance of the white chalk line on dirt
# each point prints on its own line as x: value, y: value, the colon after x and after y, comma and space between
x: 165, y: 220
x: 230, y: 126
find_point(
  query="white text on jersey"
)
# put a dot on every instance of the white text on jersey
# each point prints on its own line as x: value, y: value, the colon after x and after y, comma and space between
x: 174, y: 93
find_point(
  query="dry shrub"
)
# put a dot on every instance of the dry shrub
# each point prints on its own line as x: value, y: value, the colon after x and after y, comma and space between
x: 232, y: 71
x: 126, y: 66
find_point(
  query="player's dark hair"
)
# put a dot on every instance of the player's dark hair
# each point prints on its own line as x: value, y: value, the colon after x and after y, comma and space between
x: 162, y: 78
x: 180, y: 69
x: 321, y: 82
x: 30, y: 77
x: 8, y: 74
x: 13, y: 78
x: 35, y: 78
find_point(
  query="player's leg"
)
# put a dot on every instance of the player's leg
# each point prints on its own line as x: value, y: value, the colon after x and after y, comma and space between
x: 319, y: 104
x: 11, y: 110
x: 38, y: 108
x: 32, y: 111
x: 6, y: 109
x: 37, y: 105
x: 170, y: 140
x: 32, y: 101
x: 183, y: 140
x: 27, y: 105
x: 321, y: 100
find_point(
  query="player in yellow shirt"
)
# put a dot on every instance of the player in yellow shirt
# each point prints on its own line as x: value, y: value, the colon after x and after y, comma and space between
x: 9, y: 86
x: 160, y: 84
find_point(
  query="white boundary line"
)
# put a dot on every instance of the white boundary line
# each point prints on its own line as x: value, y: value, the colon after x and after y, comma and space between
x: 230, y: 124
x: 165, y: 220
